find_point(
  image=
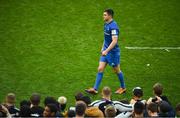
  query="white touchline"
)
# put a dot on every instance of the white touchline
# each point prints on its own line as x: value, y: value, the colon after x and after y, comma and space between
x: 153, y: 48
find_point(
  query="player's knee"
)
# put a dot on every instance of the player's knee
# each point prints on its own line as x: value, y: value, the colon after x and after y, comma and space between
x: 117, y: 70
x: 100, y: 69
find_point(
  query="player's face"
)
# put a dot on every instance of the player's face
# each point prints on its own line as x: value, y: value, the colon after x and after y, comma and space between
x: 106, y: 16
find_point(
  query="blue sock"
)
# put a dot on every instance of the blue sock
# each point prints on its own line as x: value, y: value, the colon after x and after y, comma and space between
x: 98, y: 80
x: 121, y: 79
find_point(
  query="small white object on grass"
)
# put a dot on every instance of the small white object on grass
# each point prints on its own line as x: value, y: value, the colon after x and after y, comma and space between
x: 147, y: 64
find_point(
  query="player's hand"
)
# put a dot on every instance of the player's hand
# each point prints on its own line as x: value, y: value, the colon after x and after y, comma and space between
x: 104, y: 53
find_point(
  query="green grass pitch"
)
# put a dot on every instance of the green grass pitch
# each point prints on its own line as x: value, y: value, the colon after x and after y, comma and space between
x: 52, y: 46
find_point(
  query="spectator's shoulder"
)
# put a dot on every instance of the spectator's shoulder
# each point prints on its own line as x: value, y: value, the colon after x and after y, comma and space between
x: 165, y: 98
x: 95, y: 102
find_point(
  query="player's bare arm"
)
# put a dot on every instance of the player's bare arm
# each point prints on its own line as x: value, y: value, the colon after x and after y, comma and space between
x: 111, y: 46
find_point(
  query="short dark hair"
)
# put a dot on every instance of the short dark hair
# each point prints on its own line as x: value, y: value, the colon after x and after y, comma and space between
x: 109, y: 12
x: 52, y: 100
x: 138, y: 107
x: 165, y: 107
x: 78, y: 96
x: 153, y: 107
x: 53, y: 108
x: 158, y: 89
x: 138, y: 92
x: 25, y: 102
x: 71, y: 113
x: 80, y: 108
x: 25, y: 111
x: 49, y: 100
x: 35, y: 99
x: 86, y: 99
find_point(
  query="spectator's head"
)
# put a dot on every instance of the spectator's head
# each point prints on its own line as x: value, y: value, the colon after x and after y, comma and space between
x: 25, y: 111
x: 78, y: 96
x: 110, y: 111
x: 80, y: 109
x: 35, y: 99
x: 108, y: 14
x: 10, y: 99
x: 50, y: 110
x: 152, y: 109
x: 158, y: 89
x: 49, y: 100
x: 25, y: 102
x: 106, y: 92
x: 137, y: 93
x: 87, y: 100
x: 138, y: 109
x: 52, y: 100
x: 62, y: 102
x: 164, y: 107
x: 71, y: 113
x: 178, y: 110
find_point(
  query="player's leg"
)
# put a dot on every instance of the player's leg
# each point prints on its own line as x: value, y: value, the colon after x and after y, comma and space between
x: 119, y: 73
x: 99, y: 76
x: 114, y: 60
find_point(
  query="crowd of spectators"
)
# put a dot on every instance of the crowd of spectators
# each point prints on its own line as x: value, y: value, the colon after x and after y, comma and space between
x: 156, y: 106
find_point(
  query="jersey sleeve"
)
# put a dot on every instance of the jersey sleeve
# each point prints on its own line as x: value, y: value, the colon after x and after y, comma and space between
x: 114, y: 29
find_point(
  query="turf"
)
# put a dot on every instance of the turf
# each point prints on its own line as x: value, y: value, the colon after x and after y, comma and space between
x: 52, y: 46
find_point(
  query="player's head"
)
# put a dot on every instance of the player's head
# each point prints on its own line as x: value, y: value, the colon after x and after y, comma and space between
x: 108, y: 14
x: 158, y: 89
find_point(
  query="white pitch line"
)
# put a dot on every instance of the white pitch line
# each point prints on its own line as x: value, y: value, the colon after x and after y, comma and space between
x: 153, y: 48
